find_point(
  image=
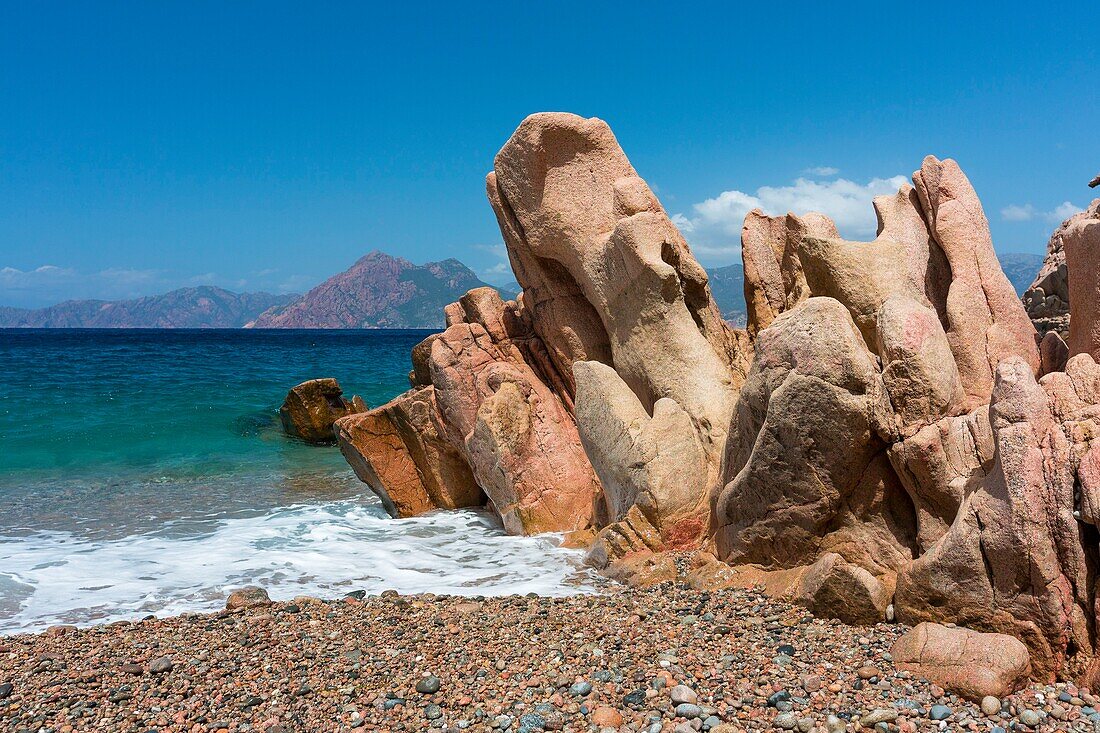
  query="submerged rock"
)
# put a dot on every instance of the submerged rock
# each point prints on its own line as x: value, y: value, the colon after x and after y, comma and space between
x: 311, y: 408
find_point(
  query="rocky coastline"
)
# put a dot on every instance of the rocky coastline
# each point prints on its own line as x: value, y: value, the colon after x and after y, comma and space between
x: 889, y: 438
x: 874, y: 507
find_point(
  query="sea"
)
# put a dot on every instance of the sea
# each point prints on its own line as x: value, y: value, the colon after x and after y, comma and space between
x: 145, y: 472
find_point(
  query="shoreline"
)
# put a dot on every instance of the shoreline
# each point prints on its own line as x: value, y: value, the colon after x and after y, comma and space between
x: 612, y: 661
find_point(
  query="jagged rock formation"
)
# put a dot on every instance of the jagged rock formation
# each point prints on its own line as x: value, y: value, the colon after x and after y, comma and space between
x: 1047, y: 298
x: 558, y: 402
x: 885, y: 438
x: 311, y: 408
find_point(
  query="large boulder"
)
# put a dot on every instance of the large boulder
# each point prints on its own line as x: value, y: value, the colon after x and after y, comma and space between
x: 1047, y: 298
x: 833, y: 588
x: 967, y: 662
x: 311, y: 408
x: 643, y: 460
x: 397, y: 450
x: 516, y: 434
x: 807, y: 466
x: 939, y: 465
x: 774, y: 281
x: 611, y: 280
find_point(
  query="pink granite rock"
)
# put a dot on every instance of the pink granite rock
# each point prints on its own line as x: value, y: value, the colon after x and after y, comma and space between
x: 966, y: 662
x: 986, y: 322
x: 1016, y: 559
x: 807, y: 467
x: 1082, y: 245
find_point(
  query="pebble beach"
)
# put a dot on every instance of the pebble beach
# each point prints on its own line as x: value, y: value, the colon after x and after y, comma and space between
x: 663, y: 659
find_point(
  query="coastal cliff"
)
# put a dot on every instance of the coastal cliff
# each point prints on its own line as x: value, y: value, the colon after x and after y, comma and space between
x: 884, y: 439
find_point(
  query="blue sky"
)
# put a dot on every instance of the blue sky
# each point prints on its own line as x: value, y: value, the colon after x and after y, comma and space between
x: 145, y: 146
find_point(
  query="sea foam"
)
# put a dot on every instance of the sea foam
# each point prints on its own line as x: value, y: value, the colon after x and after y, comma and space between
x: 322, y: 549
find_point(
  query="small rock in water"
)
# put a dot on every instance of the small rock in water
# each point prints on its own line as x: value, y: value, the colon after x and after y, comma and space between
x: 248, y: 597
x: 428, y: 686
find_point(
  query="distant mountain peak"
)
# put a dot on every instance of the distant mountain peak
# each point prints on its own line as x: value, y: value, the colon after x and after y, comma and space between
x: 378, y: 291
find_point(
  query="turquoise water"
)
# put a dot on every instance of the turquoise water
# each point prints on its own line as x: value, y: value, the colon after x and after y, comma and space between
x: 146, y: 471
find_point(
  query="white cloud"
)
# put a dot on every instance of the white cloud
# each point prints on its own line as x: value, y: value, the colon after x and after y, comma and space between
x: 714, y: 229
x: 823, y: 171
x: 1063, y: 211
x: 1027, y: 212
x: 1015, y: 212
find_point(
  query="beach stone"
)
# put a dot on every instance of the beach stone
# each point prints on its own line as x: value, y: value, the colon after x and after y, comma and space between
x: 683, y: 693
x: 1030, y: 718
x: 688, y: 710
x: 878, y: 715
x: 970, y: 663
x: 786, y: 721
x: 161, y: 665
x: 605, y: 716
x: 6, y: 690
x: 580, y: 689
x: 991, y: 705
x: 939, y: 712
x: 311, y: 408
x: 428, y: 685
x: 248, y: 597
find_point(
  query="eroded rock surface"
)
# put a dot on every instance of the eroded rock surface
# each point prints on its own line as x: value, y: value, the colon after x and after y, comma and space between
x: 398, y: 451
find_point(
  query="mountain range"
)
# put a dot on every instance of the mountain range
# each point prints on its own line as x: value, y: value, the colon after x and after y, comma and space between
x: 201, y: 307
x: 378, y: 291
